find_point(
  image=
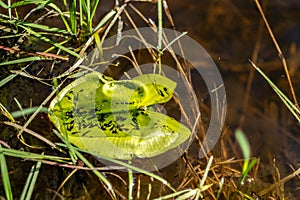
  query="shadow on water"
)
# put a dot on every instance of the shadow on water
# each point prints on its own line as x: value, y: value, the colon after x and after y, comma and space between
x: 229, y: 32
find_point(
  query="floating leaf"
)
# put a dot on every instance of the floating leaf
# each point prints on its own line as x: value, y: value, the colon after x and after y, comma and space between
x: 110, y: 118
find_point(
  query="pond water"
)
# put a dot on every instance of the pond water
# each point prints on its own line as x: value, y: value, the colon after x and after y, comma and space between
x: 232, y: 33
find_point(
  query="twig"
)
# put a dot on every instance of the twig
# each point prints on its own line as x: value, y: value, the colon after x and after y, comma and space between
x: 33, y: 134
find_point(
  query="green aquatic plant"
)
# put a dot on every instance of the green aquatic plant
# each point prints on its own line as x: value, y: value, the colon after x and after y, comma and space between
x: 115, y: 119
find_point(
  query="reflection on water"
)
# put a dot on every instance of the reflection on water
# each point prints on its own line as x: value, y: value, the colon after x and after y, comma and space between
x: 230, y: 31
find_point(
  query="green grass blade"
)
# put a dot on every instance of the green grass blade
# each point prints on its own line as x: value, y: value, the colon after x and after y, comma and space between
x: 44, y: 4
x: 104, y: 20
x: 10, y: 36
x: 80, y: 14
x: 61, y: 14
x: 6, y: 113
x: 68, y: 145
x: 160, y: 24
x: 33, y: 156
x: 64, y: 136
x: 7, y: 79
x: 42, y: 27
x: 3, y: 5
x: 72, y: 5
x: 130, y: 183
x: 30, y: 182
x: 201, y: 184
x: 221, y: 184
x: 23, y: 60
x: 5, y: 176
x: 98, y: 44
x: 244, y: 144
x: 160, y: 179
x: 26, y: 2
x: 93, y: 11
x: 289, y: 104
x: 97, y: 173
x: 88, y: 15
x: 50, y: 41
x: 141, y: 171
x: 246, y: 171
x: 94, y: 8
x: 27, y: 111
x: 27, y: 183
x: 9, y: 9
x: 41, y: 4
x: 159, y: 34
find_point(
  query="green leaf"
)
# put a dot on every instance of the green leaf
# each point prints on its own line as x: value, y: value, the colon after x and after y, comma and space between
x: 95, y: 109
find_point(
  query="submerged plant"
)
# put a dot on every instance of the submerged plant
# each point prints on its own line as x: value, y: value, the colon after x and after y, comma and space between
x: 115, y: 119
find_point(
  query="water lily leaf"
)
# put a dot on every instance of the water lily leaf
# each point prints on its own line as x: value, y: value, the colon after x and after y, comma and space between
x: 110, y: 118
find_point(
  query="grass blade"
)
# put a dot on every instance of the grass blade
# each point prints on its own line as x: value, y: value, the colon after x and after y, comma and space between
x: 157, y: 177
x: 30, y: 182
x: 36, y: 34
x: 97, y: 173
x: 3, y: 5
x: 73, y: 21
x: 26, y: 2
x: 94, y: 8
x: 43, y: 3
x: 289, y: 104
x: 88, y: 15
x: 68, y: 145
x: 140, y: 171
x: 244, y: 144
x: 130, y: 182
x: 7, y: 79
x: 6, y: 113
x: 104, y: 20
x: 201, y: 184
x: 61, y: 14
x: 22, y: 60
x: 32, y: 156
x: 42, y: 27
x: 160, y: 24
x: 27, y: 111
x: 175, y: 194
x: 80, y: 14
x: 92, y: 13
x: 5, y: 176
x: 9, y: 9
